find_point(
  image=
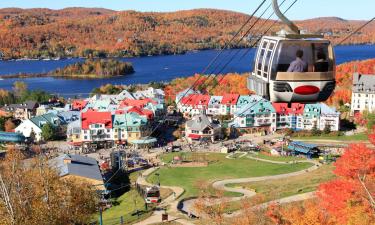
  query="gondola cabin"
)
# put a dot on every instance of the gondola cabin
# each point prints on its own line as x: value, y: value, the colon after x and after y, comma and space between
x: 274, y: 79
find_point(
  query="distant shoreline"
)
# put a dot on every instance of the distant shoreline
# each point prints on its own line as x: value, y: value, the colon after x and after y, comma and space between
x: 72, y: 77
x: 144, y: 56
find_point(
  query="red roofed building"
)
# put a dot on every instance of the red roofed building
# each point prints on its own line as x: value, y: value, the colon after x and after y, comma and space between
x: 79, y: 105
x: 96, y: 126
x: 289, y: 117
x: 229, y: 104
x: 194, y: 104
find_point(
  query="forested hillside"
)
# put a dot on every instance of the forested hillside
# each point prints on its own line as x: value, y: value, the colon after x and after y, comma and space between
x: 72, y: 32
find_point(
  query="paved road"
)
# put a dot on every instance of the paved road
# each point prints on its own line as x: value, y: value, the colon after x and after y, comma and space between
x: 188, y: 206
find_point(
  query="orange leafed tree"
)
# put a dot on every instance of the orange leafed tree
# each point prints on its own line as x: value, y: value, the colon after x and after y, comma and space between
x: 349, y: 199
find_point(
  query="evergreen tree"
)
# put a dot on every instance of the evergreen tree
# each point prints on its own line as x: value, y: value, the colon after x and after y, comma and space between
x: 327, y: 129
x: 48, y: 132
x: 315, y: 131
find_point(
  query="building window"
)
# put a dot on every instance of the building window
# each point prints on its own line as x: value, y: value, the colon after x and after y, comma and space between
x: 85, y: 138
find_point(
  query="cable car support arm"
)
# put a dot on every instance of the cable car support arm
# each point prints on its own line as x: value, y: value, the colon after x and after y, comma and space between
x: 284, y: 19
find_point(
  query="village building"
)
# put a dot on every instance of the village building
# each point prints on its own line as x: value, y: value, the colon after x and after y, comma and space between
x: 96, y: 129
x: 73, y: 133
x: 78, y: 105
x: 214, y: 106
x: 42, y: 109
x: 32, y: 128
x: 22, y: 111
x: 130, y: 128
x: 153, y: 93
x: 80, y: 168
x: 202, y: 128
x: 245, y: 100
x: 256, y: 117
x: 289, y: 117
x: 329, y: 117
x: 363, y: 93
x: 193, y: 104
x: 185, y: 93
x: 229, y: 104
x: 311, y: 116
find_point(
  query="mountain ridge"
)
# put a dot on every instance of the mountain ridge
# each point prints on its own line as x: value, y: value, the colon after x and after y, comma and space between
x: 87, y: 32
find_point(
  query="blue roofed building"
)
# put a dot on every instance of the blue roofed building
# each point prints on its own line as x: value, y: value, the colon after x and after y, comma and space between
x: 301, y: 148
x: 78, y: 167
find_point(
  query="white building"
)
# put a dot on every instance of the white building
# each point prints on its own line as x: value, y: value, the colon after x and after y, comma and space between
x: 329, y: 117
x: 363, y: 93
x: 202, y: 127
x: 156, y: 94
x: 35, y: 124
x: 214, y: 106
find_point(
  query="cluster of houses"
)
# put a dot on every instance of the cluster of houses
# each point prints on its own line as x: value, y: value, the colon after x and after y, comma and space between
x: 250, y: 112
x: 98, y: 121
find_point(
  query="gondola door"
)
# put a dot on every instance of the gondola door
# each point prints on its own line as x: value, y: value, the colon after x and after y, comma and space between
x: 263, y: 66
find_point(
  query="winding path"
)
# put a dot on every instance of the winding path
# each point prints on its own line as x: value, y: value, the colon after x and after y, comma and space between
x: 171, y: 202
x: 188, y: 206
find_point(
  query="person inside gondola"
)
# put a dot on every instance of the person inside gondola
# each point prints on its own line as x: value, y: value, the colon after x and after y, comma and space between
x: 298, y: 65
x: 321, y: 64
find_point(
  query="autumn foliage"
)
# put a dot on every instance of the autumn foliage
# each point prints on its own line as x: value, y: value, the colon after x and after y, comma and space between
x: 33, y: 193
x: 344, y: 79
x: 39, y: 33
x: 349, y: 199
x: 219, y: 85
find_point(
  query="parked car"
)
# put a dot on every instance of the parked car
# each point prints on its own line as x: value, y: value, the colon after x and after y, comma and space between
x: 174, y: 148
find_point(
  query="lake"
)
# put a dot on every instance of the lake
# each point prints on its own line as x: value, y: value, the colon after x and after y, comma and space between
x: 153, y: 68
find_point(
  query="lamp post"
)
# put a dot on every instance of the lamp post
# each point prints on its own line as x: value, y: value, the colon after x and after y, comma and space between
x: 158, y: 175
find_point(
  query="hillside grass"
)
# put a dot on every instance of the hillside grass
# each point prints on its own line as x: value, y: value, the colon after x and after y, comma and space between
x: 276, y: 189
x: 219, y: 168
x: 355, y: 137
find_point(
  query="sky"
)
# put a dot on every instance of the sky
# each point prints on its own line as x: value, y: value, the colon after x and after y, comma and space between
x: 304, y: 9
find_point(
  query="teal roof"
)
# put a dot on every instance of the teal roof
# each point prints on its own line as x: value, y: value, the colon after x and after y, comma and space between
x: 102, y: 104
x: 154, y: 107
x: 215, y: 100
x: 256, y: 108
x: 46, y: 118
x: 128, y: 120
x: 244, y: 100
x: 312, y: 110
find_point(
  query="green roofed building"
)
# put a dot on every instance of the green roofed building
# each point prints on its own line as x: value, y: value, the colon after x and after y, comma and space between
x: 130, y: 127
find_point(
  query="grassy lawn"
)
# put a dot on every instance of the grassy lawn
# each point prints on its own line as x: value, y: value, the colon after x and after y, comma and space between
x: 219, y: 168
x: 276, y: 158
x: 276, y: 189
x: 127, y: 209
x: 356, y: 137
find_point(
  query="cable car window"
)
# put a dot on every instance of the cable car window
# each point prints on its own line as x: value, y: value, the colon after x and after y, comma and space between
x: 267, y: 59
x: 322, y: 60
x: 316, y: 55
